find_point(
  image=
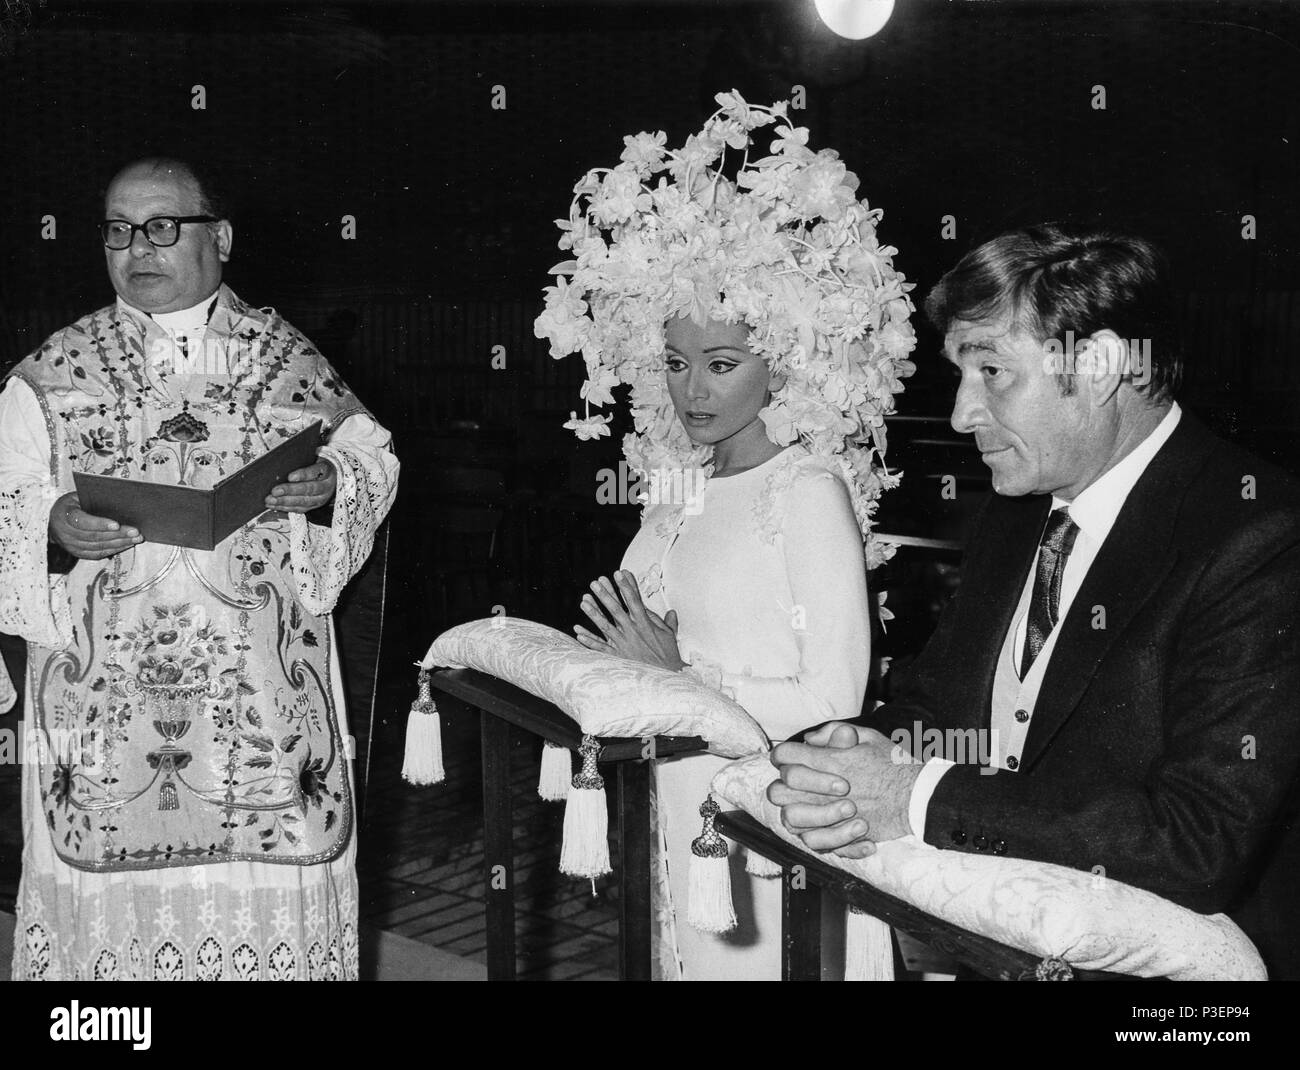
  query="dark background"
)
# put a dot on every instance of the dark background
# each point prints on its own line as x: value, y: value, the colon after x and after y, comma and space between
x: 976, y: 109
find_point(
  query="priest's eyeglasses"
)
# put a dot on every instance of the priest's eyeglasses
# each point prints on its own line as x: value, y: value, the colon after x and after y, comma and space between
x: 161, y: 231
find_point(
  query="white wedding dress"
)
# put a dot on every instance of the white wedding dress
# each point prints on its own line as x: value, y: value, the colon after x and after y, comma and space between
x: 765, y: 570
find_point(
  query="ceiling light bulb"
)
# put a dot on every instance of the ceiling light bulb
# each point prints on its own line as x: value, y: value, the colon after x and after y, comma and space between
x: 855, y: 19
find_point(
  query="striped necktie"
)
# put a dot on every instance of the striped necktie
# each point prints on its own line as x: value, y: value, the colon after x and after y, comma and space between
x: 1045, y: 602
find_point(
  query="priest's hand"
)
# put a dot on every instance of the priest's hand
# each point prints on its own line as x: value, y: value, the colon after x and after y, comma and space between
x: 305, y: 489
x: 844, y: 789
x: 630, y: 630
x: 85, y: 536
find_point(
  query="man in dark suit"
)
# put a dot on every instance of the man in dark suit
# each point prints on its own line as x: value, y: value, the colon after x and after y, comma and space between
x: 1126, y: 631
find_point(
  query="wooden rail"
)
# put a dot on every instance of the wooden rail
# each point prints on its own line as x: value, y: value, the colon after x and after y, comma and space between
x: 501, y: 705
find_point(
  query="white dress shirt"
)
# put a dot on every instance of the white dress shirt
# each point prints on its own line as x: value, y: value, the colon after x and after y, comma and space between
x: 1094, y: 512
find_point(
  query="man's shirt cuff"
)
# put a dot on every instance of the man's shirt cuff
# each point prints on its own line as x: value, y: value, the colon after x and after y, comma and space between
x: 922, y: 788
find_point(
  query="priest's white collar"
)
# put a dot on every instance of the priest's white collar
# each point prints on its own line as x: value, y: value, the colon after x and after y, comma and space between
x: 184, y: 322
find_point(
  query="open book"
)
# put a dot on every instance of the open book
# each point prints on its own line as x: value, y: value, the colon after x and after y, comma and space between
x: 190, y: 516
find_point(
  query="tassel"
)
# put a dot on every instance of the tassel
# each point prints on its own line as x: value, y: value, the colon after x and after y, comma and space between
x: 557, y: 771
x: 709, y: 908
x: 757, y: 865
x: 585, y: 850
x: 868, y: 948
x: 167, y: 797
x: 422, y: 763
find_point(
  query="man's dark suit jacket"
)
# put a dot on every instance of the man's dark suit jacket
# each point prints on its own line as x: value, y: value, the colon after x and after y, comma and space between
x: 1164, y: 746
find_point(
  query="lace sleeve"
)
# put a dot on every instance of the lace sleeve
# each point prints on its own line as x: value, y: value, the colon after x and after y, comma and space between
x: 325, y: 559
x: 33, y: 604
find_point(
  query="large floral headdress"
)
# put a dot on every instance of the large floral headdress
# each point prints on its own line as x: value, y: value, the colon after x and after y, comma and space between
x: 786, y: 248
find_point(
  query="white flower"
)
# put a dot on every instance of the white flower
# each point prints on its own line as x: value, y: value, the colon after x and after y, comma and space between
x: 596, y: 390
x: 698, y: 152
x: 792, y: 142
x: 588, y: 428
x: 883, y: 612
x: 823, y: 188
x: 620, y: 195
x: 779, y: 423
x: 644, y: 151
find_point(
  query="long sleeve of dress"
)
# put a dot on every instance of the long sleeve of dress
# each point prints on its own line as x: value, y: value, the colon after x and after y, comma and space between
x: 822, y: 548
x: 33, y: 603
x: 325, y: 558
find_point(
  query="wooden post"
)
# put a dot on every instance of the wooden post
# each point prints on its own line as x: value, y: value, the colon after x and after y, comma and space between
x: 634, y: 871
x: 801, y: 926
x: 498, y: 849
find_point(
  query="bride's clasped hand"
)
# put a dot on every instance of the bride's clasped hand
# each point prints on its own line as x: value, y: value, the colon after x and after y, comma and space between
x: 630, y: 630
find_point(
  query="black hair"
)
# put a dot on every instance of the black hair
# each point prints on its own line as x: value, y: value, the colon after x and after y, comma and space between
x: 1052, y: 279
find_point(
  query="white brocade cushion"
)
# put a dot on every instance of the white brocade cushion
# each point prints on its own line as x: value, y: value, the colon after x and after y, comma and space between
x: 606, y: 695
x: 1046, y: 910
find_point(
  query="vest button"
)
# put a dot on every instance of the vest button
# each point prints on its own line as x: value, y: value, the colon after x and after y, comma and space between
x: 1022, y: 716
x: 1013, y: 763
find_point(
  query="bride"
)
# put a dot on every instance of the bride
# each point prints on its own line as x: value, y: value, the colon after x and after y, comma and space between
x: 763, y: 331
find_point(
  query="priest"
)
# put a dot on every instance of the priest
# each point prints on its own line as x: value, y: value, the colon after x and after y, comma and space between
x: 187, y: 799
